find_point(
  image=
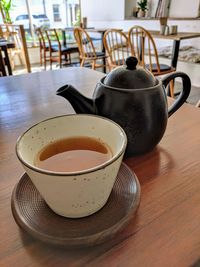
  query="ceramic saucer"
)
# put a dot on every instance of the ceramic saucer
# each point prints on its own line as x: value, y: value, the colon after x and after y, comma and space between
x: 35, y: 217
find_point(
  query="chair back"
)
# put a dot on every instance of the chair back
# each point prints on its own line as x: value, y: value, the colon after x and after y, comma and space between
x: 144, y: 48
x: 12, y: 34
x: 85, y: 44
x: 53, y: 38
x: 16, y: 33
x: 117, y: 47
x: 40, y: 37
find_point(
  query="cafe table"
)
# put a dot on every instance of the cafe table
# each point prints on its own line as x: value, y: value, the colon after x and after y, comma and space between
x: 166, y: 228
x: 5, y: 45
x: 176, y: 38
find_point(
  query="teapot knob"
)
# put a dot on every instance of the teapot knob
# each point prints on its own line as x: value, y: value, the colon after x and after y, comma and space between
x: 131, y: 63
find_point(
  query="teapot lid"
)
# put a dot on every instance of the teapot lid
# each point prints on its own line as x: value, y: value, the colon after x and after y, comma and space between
x: 130, y: 76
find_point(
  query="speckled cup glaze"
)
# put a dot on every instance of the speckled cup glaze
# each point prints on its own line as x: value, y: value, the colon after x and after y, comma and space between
x: 73, y: 194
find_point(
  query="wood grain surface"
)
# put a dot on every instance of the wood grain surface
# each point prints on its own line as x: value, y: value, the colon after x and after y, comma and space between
x: 178, y: 36
x: 166, y: 230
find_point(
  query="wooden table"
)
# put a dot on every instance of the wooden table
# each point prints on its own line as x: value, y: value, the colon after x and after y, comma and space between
x: 166, y: 229
x: 5, y: 45
x: 176, y: 42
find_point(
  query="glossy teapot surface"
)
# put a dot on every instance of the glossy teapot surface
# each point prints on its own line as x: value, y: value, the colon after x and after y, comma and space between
x: 142, y: 111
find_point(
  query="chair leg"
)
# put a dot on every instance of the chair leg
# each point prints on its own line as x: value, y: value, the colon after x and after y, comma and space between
x: 50, y: 62
x: 45, y: 60
x: 70, y: 60
x: 50, y: 59
x: 82, y: 62
x: 2, y: 66
x: 60, y: 60
x: 108, y: 65
x: 12, y: 61
x: 93, y: 64
x: 40, y: 57
x: 171, y: 88
x: 66, y: 57
x: 21, y: 59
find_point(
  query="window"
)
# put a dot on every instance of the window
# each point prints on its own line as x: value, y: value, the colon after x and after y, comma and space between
x: 45, y: 14
x: 77, y: 12
x: 56, y: 13
x: 21, y: 17
x: 42, y: 16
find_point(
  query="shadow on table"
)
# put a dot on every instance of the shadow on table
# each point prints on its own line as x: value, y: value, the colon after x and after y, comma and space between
x: 196, y: 264
x: 43, y: 253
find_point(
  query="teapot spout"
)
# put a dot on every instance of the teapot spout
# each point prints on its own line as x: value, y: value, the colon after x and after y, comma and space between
x: 79, y: 102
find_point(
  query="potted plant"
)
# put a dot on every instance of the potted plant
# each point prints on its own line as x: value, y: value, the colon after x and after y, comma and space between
x: 142, y: 5
x: 5, y: 7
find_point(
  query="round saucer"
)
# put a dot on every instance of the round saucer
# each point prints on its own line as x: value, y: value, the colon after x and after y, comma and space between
x: 34, y: 216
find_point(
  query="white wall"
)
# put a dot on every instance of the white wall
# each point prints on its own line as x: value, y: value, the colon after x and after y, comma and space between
x: 110, y: 13
x: 183, y: 26
x: 100, y: 10
x: 184, y: 8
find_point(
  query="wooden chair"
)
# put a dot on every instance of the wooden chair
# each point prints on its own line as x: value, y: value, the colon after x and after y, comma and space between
x: 87, y: 51
x: 117, y: 47
x: 144, y: 48
x: 16, y: 34
x: 2, y: 65
x: 12, y: 34
x: 44, y: 47
x: 17, y: 51
x: 57, y: 50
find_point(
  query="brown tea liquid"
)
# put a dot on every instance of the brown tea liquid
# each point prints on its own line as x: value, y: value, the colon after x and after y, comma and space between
x: 73, y: 154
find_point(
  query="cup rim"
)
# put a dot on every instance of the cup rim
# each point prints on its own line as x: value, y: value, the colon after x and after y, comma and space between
x: 75, y: 173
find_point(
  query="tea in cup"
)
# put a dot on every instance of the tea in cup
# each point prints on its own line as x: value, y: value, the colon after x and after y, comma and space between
x: 73, y: 161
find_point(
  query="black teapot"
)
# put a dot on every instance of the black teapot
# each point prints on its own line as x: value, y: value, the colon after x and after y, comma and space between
x: 135, y: 99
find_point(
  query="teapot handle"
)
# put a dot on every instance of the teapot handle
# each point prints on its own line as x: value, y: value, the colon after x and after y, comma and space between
x: 184, y: 93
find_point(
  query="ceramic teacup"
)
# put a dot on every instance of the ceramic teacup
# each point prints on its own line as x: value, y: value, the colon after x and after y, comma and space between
x: 80, y: 193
